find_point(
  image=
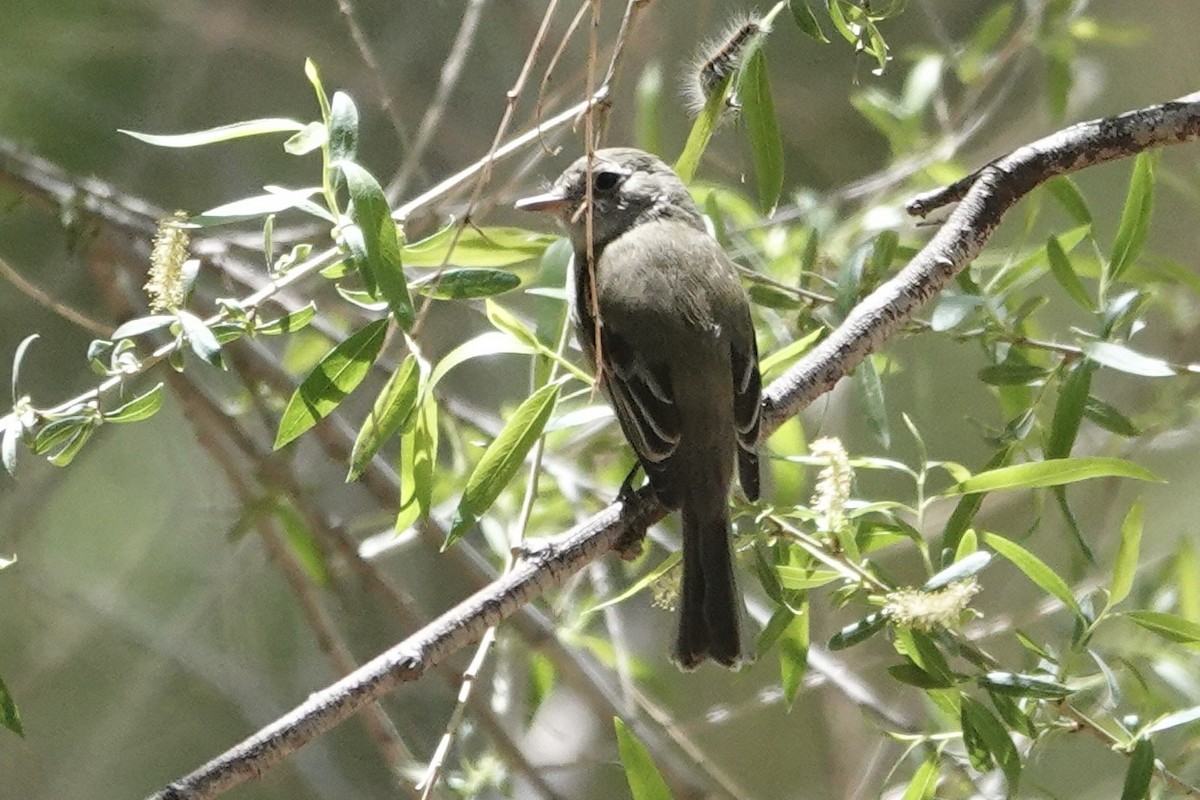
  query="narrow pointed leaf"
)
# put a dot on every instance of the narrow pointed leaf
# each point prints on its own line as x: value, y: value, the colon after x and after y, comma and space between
x: 503, y: 458
x: 476, y: 247
x: 343, y: 128
x: 645, y: 781
x: 222, y: 133
x: 334, y: 377
x: 393, y: 408
x: 201, y: 339
x: 807, y: 21
x: 380, y: 240
x: 1126, y: 563
x: 1169, y: 626
x: 1135, y: 216
x: 464, y: 284
x: 1126, y: 359
x: 762, y: 128
x: 139, y: 408
x: 924, y: 781
x: 1064, y: 273
x: 9, y: 716
x: 1140, y: 771
x: 1068, y: 410
x: 1035, y: 569
x: 1055, y: 472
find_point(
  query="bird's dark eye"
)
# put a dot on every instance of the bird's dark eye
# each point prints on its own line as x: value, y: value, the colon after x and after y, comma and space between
x: 606, y: 181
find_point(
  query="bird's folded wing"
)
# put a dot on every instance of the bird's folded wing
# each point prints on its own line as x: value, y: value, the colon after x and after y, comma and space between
x: 641, y: 396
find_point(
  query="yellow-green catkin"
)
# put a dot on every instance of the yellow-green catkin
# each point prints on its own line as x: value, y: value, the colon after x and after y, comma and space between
x: 927, y: 611
x: 833, y: 485
x: 166, y: 287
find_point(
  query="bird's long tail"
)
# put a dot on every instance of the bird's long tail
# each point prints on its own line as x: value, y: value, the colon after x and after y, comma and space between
x: 710, y: 607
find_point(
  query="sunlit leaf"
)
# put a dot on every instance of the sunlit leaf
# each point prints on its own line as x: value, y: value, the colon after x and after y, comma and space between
x: 393, y: 407
x: 202, y: 340
x: 1139, y: 772
x: 1119, y: 357
x: 312, y: 137
x: 289, y: 323
x: 1169, y: 626
x: 503, y: 458
x: 1135, y: 216
x: 923, y: 784
x: 380, y: 240
x: 334, y: 377
x: 645, y: 781
x: 254, y: 207
x: 139, y: 408
x: 223, y: 133
x: 1125, y: 565
x: 1053, y: 472
x: 476, y: 247
x: 762, y: 129
x: 1035, y: 569
x: 343, y: 128
x: 1064, y: 273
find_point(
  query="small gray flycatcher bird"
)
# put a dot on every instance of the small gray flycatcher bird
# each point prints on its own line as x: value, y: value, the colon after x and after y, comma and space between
x: 677, y: 359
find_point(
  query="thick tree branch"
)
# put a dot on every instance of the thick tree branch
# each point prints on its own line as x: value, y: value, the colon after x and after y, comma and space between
x: 984, y: 198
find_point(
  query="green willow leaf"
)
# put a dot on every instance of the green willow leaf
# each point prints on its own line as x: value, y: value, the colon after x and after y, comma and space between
x: 343, y: 128
x: 9, y: 716
x: 1064, y: 190
x: 1014, y: 684
x: 1141, y: 770
x: 645, y: 781
x: 380, y: 241
x: 870, y: 395
x: 139, y: 408
x: 1069, y: 410
x: 991, y: 737
x: 136, y: 327
x: 1064, y: 273
x: 465, y: 284
x: 1035, y: 569
x: 1054, y: 472
x: 289, y: 323
x: 418, y: 455
x: 1125, y: 359
x: 254, y: 207
x: 806, y: 21
x: 201, y: 339
x: 857, y: 632
x: 1126, y: 562
x: 503, y: 458
x: 668, y: 563
x: 1012, y: 374
x: 1169, y: 626
x: 762, y: 129
x: 334, y: 377
x: 793, y: 654
x: 393, y: 409
x: 702, y: 130
x: 1135, y: 216
x: 1175, y: 719
x: 924, y: 781
x: 313, y: 137
x: 476, y: 247
x: 1109, y: 418
x: 223, y: 133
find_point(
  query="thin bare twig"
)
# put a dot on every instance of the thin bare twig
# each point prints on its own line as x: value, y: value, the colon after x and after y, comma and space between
x: 447, y: 81
x: 42, y: 298
x: 367, y: 54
